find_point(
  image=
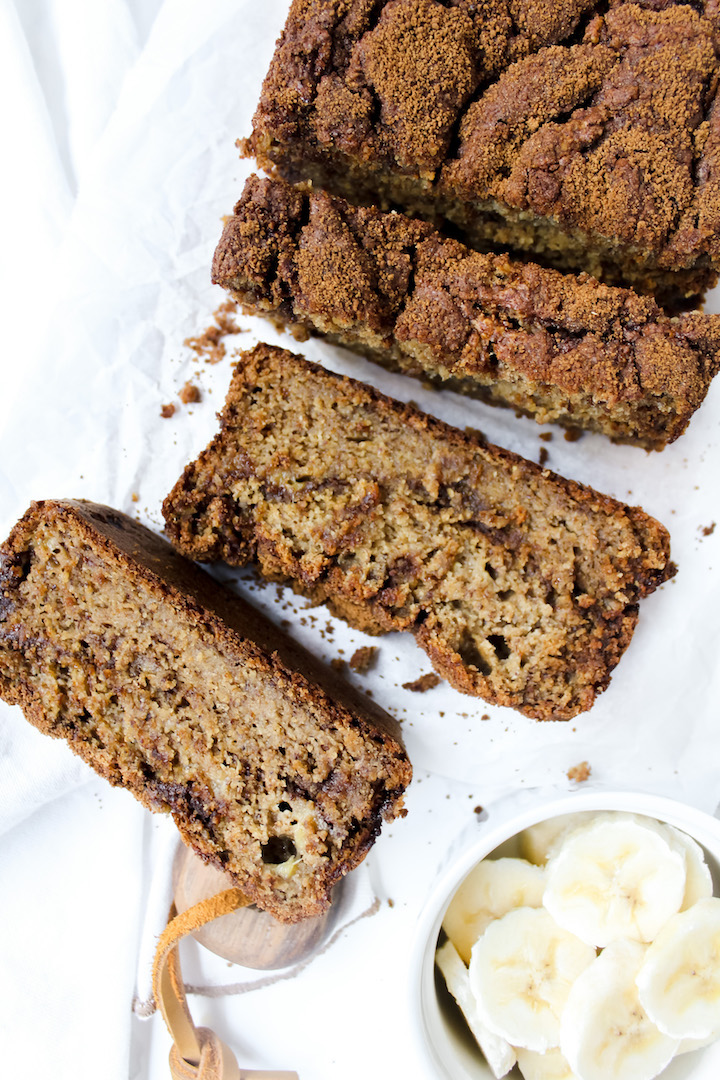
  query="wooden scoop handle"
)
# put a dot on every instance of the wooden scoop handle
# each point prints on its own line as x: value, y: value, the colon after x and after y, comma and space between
x: 197, y: 1053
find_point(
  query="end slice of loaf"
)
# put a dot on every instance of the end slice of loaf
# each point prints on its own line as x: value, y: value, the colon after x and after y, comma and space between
x: 273, y: 769
x: 522, y: 587
x: 559, y: 347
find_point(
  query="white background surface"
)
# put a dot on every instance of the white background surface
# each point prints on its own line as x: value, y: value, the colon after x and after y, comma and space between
x: 119, y: 123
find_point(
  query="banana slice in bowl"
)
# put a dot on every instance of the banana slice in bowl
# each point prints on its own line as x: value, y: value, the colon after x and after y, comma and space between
x: 615, y: 878
x: 605, y: 1033
x: 679, y: 980
x: 492, y: 889
x: 614, y: 873
x: 521, y: 971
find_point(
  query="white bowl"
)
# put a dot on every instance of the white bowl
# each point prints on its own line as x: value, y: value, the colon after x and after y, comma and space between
x: 448, y: 1046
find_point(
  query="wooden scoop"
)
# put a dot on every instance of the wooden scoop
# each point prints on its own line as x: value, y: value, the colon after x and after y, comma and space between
x: 248, y: 936
x: 209, y: 906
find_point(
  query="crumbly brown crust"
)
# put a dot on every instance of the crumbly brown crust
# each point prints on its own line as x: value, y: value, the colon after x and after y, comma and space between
x: 584, y: 132
x: 273, y: 769
x: 558, y: 346
x: 522, y: 587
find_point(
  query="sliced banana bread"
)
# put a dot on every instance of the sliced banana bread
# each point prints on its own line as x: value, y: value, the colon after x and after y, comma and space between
x: 521, y: 586
x: 273, y: 768
x: 557, y: 346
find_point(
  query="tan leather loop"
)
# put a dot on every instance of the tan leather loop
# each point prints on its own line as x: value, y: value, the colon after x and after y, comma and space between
x: 216, y: 1060
x: 197, y: 1053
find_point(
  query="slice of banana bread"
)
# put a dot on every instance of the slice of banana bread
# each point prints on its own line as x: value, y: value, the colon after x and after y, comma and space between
x: 522, y: 587
x: 557, y: 346
x: 273, y: 769
x: 582, y: 131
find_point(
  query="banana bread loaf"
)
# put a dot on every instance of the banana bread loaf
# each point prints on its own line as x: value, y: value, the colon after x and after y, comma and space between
x: 522, y: 587
x: 273, y: 769
x: 557, y: 346
x: 585, y: 132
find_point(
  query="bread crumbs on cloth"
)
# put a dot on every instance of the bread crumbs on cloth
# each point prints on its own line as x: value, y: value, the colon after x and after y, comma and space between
x: 580, y: 772
x: 208, y: 345
x: 425, y: 682
x: 363, y: 658
x: 189, y: 394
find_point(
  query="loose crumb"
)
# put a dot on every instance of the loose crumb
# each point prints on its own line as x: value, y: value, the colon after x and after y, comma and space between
x: 478, y: 809
x: 546, y: 436
x: 363, y: 658
x: 208, y: 345
x: 425, y: 682
x: 573, y: 434
x: 167, y: 411
x: 298, y: 332
x: 708, y: 530
x: 189, y: 394
x: 135, y: 497
x: 485, y: 716
x: 476, y: 433
x: 579, y: 773
x: 543, y: 455
x: 337, y: 663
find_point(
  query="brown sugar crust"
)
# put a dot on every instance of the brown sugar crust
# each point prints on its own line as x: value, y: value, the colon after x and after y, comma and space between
x: 621, y: 165
x: 559, y: 347
x: 412, y: 47
x: 585, y: 133
x: 273, y: 769
x: 522, y: 587
x: 388, y: 81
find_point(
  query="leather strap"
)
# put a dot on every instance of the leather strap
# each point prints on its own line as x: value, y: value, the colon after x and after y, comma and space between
x: 197, y: 1053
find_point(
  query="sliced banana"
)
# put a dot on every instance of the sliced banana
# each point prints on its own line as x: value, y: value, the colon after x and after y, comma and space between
x: 615, y: 878
x: 605, y: 1032
x: 679, y: 981
x: 698, y: 879
x: 548, y: 1066
x: 538, y: 841
x: 498, y: 1053
x: 491, y: 889
x: 521, y: 971
x: 687, y: 1046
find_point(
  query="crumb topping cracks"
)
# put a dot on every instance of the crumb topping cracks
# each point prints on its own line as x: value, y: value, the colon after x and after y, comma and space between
x: 600, y: 116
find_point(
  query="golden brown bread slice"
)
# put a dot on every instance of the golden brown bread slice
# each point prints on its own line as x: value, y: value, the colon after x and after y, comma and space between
x: 521, y: 586
x: 273, y: 768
